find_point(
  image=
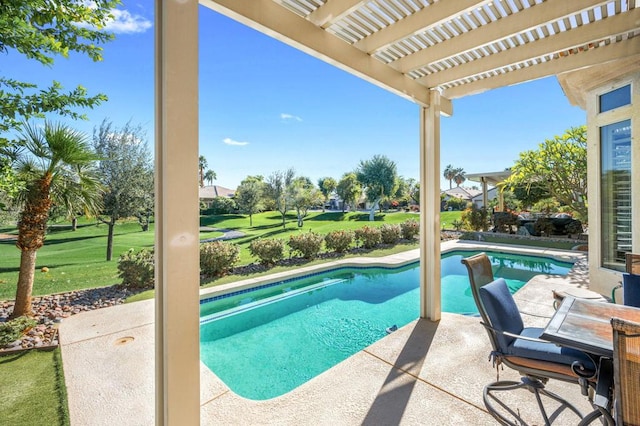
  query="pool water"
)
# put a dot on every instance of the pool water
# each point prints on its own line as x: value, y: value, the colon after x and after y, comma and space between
x: 266, y: 342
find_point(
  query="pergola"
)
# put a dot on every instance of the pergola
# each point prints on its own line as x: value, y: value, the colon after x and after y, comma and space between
x: 493, y: 179
x: 430, y: 52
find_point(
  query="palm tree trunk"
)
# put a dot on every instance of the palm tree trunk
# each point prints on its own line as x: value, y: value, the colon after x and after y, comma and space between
x: 74, y: 223
x: 25, y: 284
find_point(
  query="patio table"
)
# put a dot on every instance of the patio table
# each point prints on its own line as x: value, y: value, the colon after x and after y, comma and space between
x: 586, y: 325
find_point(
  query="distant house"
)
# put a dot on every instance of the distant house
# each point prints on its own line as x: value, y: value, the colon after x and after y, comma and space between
x: 208, y: 193
x: 478, y: 200
x: 466, y: 194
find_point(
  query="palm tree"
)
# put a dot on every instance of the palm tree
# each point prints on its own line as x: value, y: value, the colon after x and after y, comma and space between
x: 210, y: 176
x: 202, y: 164
x: 449, y: 173
x: 54, y: 161
x: 459, y: 176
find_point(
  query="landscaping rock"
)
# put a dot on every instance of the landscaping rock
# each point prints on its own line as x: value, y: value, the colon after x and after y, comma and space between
x: 50, y: 310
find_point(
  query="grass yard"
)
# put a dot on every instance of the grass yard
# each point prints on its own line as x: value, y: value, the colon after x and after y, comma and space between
x: 33, y: 390
x: 76, y: 259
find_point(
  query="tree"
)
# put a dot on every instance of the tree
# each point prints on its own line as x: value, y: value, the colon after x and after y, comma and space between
x: 327, y: 185
x: 560, y: 166
x: 126, y: 172
x: 277, y: 185
x: 210, y: 176
x: 378, y: 175
x: 459, y: 176
x: 202, y: 164
x: 249, y: 196
x: 42, y: 30
x: 53, y: 159
x: 349, y: 189
x: 449, y: 173
x: 78, y: 195
x: 303, y: 195
x: 414, y: 190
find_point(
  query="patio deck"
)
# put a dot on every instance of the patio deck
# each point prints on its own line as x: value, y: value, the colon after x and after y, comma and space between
x: 424, y: 373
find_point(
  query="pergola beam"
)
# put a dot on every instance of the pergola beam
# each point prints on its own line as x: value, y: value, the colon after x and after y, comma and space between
x: 517, y: 23
x: 595, y: 56
x: 581, y: 36
x: 281, y: 24
x: 333, y: 10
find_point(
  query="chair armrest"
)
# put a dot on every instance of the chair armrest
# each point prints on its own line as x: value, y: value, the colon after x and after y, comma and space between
x: 516, y: 336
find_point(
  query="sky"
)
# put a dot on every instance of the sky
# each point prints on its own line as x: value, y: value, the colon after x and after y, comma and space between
x: 265, y: 106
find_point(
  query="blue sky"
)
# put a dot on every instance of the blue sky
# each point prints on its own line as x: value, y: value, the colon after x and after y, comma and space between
x: 265, y: 106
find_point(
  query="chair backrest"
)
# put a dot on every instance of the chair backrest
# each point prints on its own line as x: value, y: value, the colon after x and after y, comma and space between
x: 632, y: 262
x: 501, y: 312
x: 480, y: 273
x: 626, y: 367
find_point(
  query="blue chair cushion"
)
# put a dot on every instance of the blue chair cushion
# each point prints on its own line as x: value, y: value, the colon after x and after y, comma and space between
x: 546, y: 351
x: 501, y: 310
x: 631, y: 289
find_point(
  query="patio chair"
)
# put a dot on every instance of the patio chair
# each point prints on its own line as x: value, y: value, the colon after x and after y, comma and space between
x: 626, y: 371
x: 519, y: 348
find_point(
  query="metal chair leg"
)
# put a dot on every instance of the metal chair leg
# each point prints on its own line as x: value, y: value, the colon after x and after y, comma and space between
x: 492, y: 400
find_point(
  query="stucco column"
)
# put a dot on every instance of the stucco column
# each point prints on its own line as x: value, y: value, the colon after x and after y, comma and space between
x: 430, y: 303
x: 176, y: 215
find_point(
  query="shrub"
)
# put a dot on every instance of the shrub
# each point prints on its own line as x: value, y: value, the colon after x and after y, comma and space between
x: 218, y: 257
x: 543, y: 226
x: 368, y: 236
x: 390, y: 234
x: 476, y: 218
x: 222, y: 205
x: 410, y: 228
x: 268, y: 251
x: 11, y: 331
x: 339, y: 241
x: 136, y: 269
x: 308, y: 244
x: 505, y: 222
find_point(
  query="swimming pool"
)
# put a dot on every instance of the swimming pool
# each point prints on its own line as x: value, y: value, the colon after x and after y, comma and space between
x: 265, y: 342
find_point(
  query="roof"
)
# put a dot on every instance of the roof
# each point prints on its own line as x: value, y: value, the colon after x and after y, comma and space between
x: 458, y: 47
x: 463, y: 193
x: 214, y: 191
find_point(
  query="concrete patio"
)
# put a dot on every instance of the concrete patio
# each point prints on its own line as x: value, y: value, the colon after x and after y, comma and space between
x: 425, y: 373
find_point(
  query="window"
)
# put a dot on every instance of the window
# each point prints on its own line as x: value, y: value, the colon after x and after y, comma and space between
x: 615, y: 179
x: 615, y: 98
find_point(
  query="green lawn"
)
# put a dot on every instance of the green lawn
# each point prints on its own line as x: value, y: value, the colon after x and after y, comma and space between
x: 76, y: 259
x: 33, y: 390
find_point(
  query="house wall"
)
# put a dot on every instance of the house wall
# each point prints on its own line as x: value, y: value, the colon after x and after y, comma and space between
x: 602, y: 279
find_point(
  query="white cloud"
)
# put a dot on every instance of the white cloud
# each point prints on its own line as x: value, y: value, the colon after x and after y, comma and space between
x: 230, y: 141
x: 124, y: 22
x: 286, y: 117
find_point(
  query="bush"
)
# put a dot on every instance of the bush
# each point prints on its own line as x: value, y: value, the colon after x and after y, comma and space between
x: 268, y: 251
x: 410, y: 228
x: 308, y: 244
x: 505, y: 222
x: 543, y: 226
x: 218, y: 257
x: 390, y: 234
x: 11, y: 331
x: 476, y: 218
x: 339, y: 241
x: 136, y: 269
x: 368, y: 236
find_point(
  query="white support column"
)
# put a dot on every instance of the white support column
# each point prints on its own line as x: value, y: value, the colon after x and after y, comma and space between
x: 485, y: 196
x: 176, y: 216
x: 430, y: 303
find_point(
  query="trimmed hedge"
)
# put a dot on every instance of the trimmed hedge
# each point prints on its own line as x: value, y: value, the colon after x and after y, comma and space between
x: 339, y: 241
x: 218, y: 257
x: 136, y: 269
x: 368, y: 236
x: 268, y: 251
x: 308, y: 244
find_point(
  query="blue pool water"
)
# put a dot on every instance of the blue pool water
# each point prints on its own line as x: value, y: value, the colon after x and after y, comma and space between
x: 264, y: 343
